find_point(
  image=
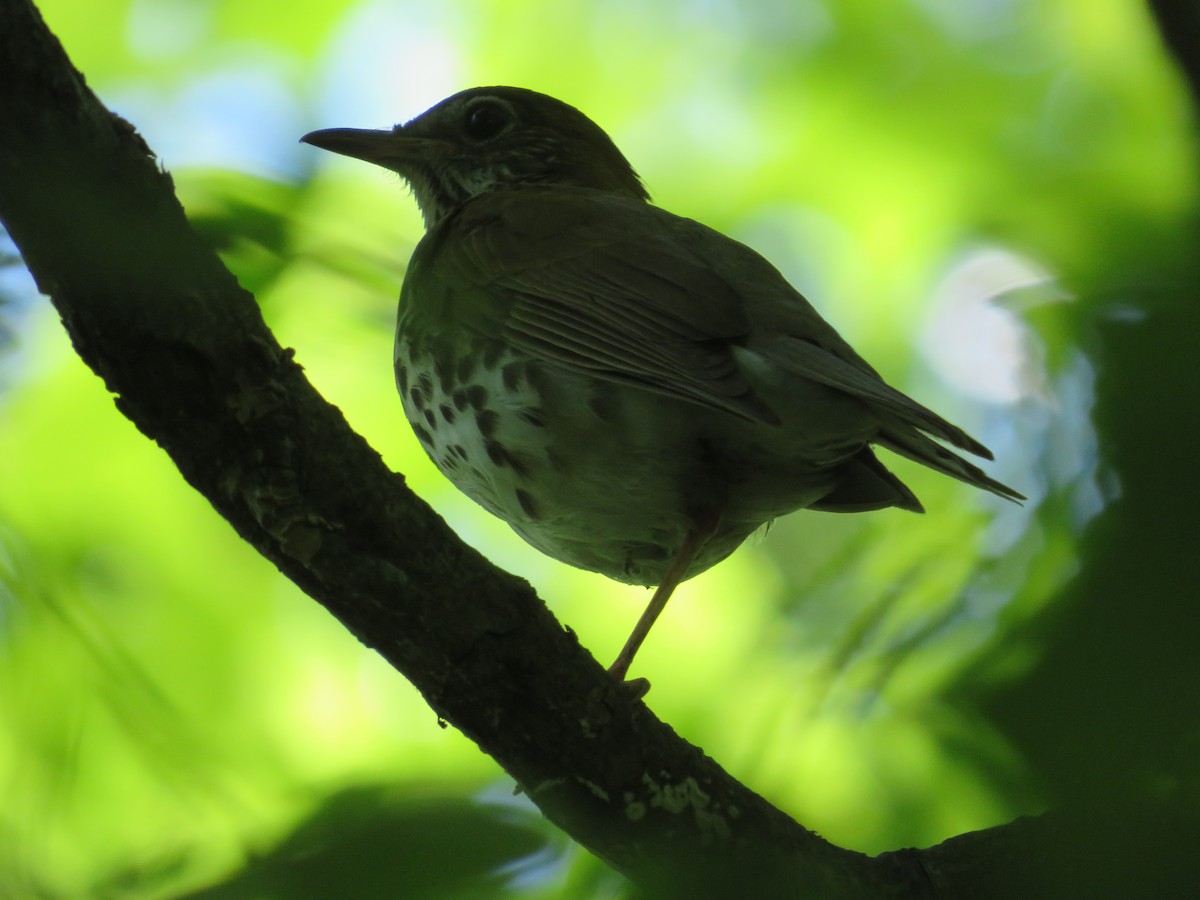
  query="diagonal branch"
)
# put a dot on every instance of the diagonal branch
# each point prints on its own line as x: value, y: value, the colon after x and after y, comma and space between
x: 185, y: 352
x: 183, y: 348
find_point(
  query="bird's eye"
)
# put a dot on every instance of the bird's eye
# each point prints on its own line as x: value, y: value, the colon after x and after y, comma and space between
x: 486, y: 120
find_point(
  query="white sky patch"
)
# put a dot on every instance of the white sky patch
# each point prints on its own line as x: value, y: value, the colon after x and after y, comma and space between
x: 974, y: 339
x: 242, y: 116
x: 388, y: 63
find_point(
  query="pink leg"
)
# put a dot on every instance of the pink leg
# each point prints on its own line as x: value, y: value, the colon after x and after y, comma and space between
x: 675, y: 573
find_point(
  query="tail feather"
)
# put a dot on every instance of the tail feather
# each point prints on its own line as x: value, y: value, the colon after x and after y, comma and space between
x: 906, y: 441
x: 864, y: 484
x: 908, y: 427
x: 815, y: 363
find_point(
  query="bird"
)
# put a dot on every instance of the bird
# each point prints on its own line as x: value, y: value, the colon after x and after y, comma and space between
x: 633, y: 392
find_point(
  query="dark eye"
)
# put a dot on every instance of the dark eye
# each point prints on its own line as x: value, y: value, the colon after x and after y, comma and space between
x: 486, y: 120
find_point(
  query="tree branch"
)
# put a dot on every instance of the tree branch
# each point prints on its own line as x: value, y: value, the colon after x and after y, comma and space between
x: 151, y: 309
x: 185, y: 351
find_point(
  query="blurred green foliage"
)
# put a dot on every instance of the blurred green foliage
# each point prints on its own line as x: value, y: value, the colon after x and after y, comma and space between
x: 993, y: 201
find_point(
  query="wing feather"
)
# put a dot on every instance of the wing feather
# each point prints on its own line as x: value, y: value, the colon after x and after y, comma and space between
x: 604, y: 291
x: 633, y: 294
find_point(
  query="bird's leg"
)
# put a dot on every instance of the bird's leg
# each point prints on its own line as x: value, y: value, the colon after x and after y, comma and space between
x: 682, y: 561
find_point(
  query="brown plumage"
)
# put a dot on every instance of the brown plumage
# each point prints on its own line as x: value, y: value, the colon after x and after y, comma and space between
x: 632, y: 391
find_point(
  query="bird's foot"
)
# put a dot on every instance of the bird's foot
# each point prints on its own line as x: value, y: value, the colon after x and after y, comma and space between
x: 634, y: 688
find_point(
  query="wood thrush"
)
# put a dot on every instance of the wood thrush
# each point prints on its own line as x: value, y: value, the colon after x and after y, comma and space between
x: 634, y: 393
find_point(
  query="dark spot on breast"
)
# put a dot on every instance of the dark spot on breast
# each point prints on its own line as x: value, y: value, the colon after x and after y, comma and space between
x: 448, y: 413
x: 536, y: 376
x: 519, y: 464
x: 418, y: 399
x: 425, y: 383
x: 492, y: 353
x: 461, y: 399
x: 477, y: 394
x: 422, y: 435
x: 528, y: 504
x: 430, y: 418
x: 512, y: 375
x: 402, y: 379
x: 496, y: 453
x: 443, y: 368
x: 533, y: 417
x: 486, y: 421
x: 459, y: 452
x: 464, y: 369
x: 501, y: 456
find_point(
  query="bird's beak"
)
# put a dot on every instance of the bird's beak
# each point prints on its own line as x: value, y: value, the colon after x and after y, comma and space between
x: 391, y: 149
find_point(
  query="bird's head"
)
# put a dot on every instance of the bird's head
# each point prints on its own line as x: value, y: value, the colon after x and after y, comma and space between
x: 485, y: 139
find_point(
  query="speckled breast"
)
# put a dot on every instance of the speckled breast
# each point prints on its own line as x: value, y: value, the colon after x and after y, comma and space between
x: 586, y: 471
x: 596, y: 474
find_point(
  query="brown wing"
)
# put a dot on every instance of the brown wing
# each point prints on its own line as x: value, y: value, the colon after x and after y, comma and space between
x: 596, y: 283
x: 631, y: 293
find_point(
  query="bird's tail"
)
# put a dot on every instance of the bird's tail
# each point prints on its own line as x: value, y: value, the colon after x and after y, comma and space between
x: 904, y: 439
x: 908, y: 428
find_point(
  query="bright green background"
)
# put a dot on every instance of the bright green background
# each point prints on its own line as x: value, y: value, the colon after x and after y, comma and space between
x: 964, y: 189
